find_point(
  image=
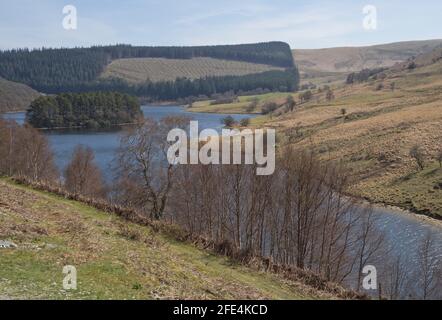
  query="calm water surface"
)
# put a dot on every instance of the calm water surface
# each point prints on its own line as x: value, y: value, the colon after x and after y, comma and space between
x: 104, y: 143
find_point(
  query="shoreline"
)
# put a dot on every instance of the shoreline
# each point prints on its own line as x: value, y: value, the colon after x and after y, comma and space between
x: 398, y: 210
x: 430, y: 219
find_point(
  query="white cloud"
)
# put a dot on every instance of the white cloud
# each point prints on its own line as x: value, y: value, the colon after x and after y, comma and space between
x: 310, y: 26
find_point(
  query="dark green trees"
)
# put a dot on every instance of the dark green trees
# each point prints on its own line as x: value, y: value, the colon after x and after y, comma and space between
x: 56, y: 71
x: 91, y: 110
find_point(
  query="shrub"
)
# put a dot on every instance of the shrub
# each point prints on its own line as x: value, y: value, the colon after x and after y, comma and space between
x: 306, y: 96
x: 417, y: 154
x: 228, y: 121
x: 330, y: 95
x: 412, y: 65
x: 253, y: 104
x: 244, y: 122
x: 269, y: 107
x: 439, y: 158
x: 290, y: 103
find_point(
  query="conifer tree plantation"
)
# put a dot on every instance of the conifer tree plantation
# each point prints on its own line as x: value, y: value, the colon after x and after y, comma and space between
x: 83, y: 110
x: 56, y: 71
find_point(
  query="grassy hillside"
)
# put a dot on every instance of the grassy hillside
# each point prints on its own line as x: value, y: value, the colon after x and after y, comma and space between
x: 332, y: 64
x: 15, y: 96
x: 378, y: 131
x: 137, y: 70
x: 241, y: 106
x: 375, y: 135
x: 114, y: 259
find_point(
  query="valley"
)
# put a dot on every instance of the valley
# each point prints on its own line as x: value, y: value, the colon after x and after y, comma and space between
x: 369, y: 126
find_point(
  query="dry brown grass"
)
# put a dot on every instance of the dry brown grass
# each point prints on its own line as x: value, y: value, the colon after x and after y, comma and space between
x: 117, y: 258
x: 15, y: 96
x: 138, y: 70
x: 378, y: 131
x: 347, y: 59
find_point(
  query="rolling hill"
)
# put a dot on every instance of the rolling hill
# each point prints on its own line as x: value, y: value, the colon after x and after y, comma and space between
x: 332, y: 63
x: 15, y: 96
x: 138, y: 70
x: 384, y: 118
x: 116, y: 259
x: 372, y: 126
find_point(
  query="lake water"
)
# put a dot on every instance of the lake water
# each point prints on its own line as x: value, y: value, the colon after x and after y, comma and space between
x: 403, y: 233
x: 104, y: 143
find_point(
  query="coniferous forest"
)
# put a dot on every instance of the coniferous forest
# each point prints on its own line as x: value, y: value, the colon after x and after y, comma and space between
x: 77, y: 70
x: 90, y: 110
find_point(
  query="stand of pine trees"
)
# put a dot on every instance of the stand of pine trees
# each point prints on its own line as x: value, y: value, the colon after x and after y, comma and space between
x: 91, y: 110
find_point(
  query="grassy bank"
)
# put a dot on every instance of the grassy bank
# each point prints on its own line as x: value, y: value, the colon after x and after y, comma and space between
x: 241, y: 106
x: 115, y: 259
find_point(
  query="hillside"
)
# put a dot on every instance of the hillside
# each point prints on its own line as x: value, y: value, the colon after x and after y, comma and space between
x: 330, y: 64
x: 138, y: 70
x: 114, y: 259
x: 382, y: 123
x: 15, y: 96
x: 372, y: 127
x: 215, y: 69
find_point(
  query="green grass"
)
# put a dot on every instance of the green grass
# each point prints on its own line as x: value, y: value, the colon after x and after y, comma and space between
x: 114, y: 259
x: 419, y: 191
x: 239, y: 107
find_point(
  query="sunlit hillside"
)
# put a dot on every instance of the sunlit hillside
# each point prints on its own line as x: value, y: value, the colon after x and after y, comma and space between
x: 138, y: 70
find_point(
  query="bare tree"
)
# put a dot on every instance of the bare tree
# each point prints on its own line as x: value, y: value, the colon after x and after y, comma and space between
x: 396, y: 279
x: 144, y: 175
x: 329, y: 96
x: 417, y: 154
x: 439, y: 158
x: 430, y: 268
x: 24, y: 151
x: 83, y: 176
x: 369, y: 242
x: 290, y: 103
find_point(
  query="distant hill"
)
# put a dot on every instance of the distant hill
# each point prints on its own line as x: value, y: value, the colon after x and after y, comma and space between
x: 385, y: 117
x: 243, y: 67
x: 350, y: 59
x: 15, y: 96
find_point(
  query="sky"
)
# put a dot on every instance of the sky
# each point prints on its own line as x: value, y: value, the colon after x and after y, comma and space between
x: 302, y: 24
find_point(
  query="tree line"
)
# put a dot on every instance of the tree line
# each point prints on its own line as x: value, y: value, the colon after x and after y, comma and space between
x: 298, y: 217
x: 364, y: 75
x: 66, y: 70
x: 184, y: 88
x: 91, y: 110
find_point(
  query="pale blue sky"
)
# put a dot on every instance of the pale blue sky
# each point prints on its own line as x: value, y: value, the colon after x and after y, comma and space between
x: 303, y: 24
